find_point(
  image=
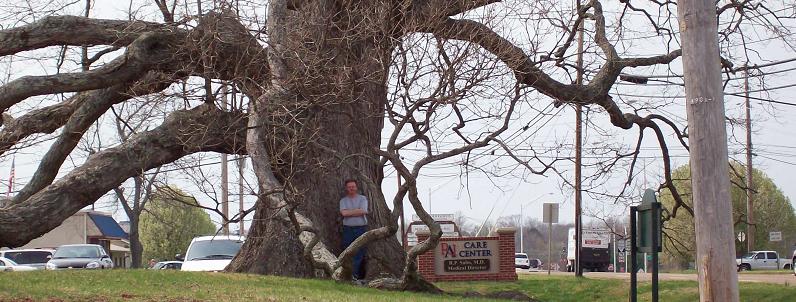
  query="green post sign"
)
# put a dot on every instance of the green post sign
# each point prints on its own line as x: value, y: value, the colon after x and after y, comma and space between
x: 649, y: 223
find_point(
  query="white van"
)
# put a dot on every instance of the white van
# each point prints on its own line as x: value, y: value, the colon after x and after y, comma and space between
x: 36, y: 258
x: 211, y: 253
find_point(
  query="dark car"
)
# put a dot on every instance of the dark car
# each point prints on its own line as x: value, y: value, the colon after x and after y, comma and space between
x: 175, y: 265
x: 79, y: 256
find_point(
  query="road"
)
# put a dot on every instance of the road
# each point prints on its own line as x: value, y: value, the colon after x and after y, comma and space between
x: 786, y: 279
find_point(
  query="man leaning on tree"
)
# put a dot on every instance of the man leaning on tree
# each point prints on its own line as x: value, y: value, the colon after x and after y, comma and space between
x: 354, y: 209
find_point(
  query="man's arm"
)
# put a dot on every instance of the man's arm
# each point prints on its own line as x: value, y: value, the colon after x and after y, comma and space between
x: 360, y: 210
x: 353, y: 212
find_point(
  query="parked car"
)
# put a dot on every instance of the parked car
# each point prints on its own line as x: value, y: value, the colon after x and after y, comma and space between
x: 36, y: 258
x: 211, y: 253
x: 80, y: 256
x: 535, y: 264
x: 8, y: 265
x: 762, y: 260
x: 521, y: 261
x: 168, y: 265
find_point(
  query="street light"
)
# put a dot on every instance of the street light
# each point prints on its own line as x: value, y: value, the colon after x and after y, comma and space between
x: 522, y: 225
x: 436, y: 188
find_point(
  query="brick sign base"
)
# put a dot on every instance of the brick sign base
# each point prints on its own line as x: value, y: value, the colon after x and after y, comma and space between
x: 469, y: 258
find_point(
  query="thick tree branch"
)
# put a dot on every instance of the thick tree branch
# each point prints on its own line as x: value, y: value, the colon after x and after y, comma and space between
x: 50, y: 118
x: 78, y: 123
x: 203, y: 128
x: 145, y: 53
x: 526, y: 71
x: 72, y: 30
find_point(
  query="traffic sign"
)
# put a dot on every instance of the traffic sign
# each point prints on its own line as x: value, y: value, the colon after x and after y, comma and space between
x: 620, y: 246
x: 774, y: 236
x: 741, y: 236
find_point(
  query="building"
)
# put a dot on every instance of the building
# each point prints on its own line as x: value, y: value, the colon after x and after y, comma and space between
x: 89, y: 227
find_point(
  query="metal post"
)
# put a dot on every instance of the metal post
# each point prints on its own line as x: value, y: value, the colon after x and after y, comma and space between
x: 404, y: 242
x: 613, y: 251
x: 522, y: 245
x: 549, y: 246
x: 241, y: 167
x: 224, y: 177
x: 633, y: 252
x: 656, y: 220
x: 429, y: 201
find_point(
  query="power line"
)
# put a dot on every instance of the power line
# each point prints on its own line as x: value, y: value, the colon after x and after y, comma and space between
x: 778, y: 160
x: 666, y: 76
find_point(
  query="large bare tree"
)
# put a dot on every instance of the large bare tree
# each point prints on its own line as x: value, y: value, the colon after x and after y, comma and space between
x: 334, y: 90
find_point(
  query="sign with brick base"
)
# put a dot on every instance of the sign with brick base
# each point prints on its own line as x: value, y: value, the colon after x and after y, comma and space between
x: 469, y: 258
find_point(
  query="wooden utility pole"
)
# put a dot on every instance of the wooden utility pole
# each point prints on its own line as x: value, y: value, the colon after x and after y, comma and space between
x: 750, y: 211
x: 710, y: 182
x: 224, y: 177
x: 578, y: 151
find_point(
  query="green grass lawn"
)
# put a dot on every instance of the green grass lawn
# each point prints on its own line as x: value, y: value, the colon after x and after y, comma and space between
x: 142, y: 285
x: 568, y: 288
x: 755, y: 272
x: 769, y: 272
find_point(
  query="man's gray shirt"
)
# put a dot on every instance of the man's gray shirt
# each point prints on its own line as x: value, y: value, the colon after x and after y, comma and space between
x: 356, y: 202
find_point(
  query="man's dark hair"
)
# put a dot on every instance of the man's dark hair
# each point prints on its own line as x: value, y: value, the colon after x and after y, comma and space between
x: 350, y: 180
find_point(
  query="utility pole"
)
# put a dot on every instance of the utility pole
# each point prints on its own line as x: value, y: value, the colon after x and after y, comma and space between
x: 241, y: 167
x: 224, y: 176
x: 750, y: 211
x: 718, y: 279
x: 578, y: 146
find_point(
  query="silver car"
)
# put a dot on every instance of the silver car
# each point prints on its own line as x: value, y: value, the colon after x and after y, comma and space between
x: 80, y: 256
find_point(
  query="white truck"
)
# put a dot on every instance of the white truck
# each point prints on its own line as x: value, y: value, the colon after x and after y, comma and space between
x: 762, y: 260
x: 595, y: 249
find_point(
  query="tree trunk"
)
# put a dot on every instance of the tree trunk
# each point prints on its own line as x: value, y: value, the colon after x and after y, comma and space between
x: 136, y: 248
x: 333, y: 128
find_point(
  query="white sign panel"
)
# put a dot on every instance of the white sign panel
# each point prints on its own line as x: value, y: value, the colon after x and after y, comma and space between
x: 446, y: 228
x: 774, y: 236
x: 597, y: 238
x: 411, y: 239
x: 550, y: 213
x: 437, y: 217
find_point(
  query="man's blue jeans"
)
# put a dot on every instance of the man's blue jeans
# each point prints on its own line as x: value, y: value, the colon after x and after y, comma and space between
x: 351, y: 233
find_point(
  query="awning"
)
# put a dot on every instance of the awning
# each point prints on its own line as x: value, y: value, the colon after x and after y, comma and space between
x: 108, y: 226
x: 118, y: 248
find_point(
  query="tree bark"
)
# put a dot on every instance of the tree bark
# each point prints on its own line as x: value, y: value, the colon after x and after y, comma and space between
x: 335, y: 128
x: 136, y: 248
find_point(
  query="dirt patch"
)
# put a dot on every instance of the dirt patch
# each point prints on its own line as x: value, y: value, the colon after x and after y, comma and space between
x: 503, y: 295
